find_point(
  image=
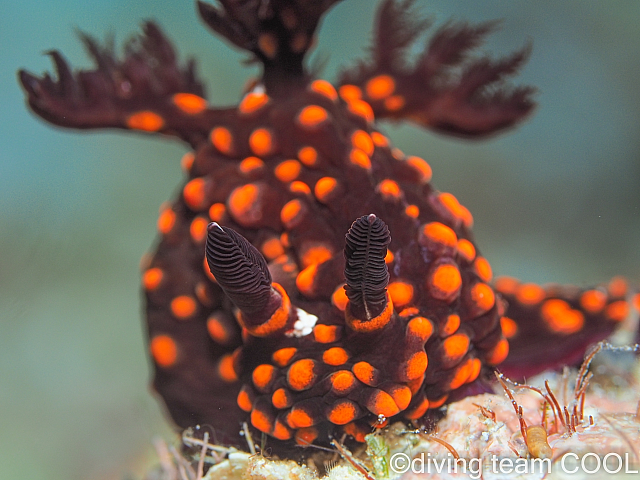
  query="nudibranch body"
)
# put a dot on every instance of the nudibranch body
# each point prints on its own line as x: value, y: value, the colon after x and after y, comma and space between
x: 338, y: 288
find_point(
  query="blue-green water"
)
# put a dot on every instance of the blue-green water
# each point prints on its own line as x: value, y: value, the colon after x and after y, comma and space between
x: 557, y: 199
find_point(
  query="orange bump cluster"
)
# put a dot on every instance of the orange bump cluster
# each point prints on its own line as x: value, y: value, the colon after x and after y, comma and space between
x: 560, y: 317
x: 456, y: 210
x: 362, y: 140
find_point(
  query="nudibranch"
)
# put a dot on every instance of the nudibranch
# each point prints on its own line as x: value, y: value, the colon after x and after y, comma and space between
x: 309, y: 280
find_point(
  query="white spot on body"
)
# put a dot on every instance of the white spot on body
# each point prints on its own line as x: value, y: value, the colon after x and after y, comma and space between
x: 304, y: 325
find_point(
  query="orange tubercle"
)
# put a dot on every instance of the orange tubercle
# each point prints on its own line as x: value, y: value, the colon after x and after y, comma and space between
x: 226, y: 368
x: 420, y: 328
x: 261, y: 142
x: 301, y: 375
x: 281, y: 399
x: 305, y: 279
x: 324, y: 188
x: 350, y: 92
x: 389, y: 189
x: 451, y: 325
x: 498, y: 353
x: 145, y: 120
x: 291, y: 213
x: 361, y: 109
x: 593, y: 301
x: 342, y: 381
x: 380, y: 87
x: 379, y: 139
x: 342, y: 412
x: 483, y: 297
x: 280, y: 431
x: 166, y: 220
x: 444, y: 282
x: 438, y: 233
x: 530, y: 294
x: 244, y: 204
x: 222, y: 139
x: 366, y: 373
x: 250, y: 164
x: 189, y: 103
x: 217, y: 330
x: 415, y: 366
x: 422, y: 168
x: 198, y: 229
x: 316, y: 254
x: 287, y: 171
x: 381, y: 403
x: 466, y: 250
x: 560, y: 317
x: 308, y: 156
x: 244, y: 400
x: 312, y: 116
x: 164, y: 350
x: 455, y: 347
x: 261, y: 421
x: 617, y: 311
x: 362, y: 140
x: 335, y: 356
x: 152, y: 278
x: 324, y: 88
x: 509, y: 327
x: 483, y: 269
x: 272, y: 248
x: 217, y: 211
x: 306, y: 436
x: 183, y: 307
x: 401, y: 293
x: 326, y: 333
x: 359, y: 158
x: 262, y: 376
x: 252, y: 102
x: 394, y: 103
x: 283, y: 356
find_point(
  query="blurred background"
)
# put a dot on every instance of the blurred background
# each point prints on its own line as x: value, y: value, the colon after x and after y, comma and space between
x: 558, y: 199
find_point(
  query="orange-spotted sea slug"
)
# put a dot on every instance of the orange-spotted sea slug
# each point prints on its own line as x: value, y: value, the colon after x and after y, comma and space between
x: 309, y: 279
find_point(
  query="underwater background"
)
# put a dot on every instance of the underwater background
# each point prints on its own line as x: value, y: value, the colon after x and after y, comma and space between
x: 557, y: 199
